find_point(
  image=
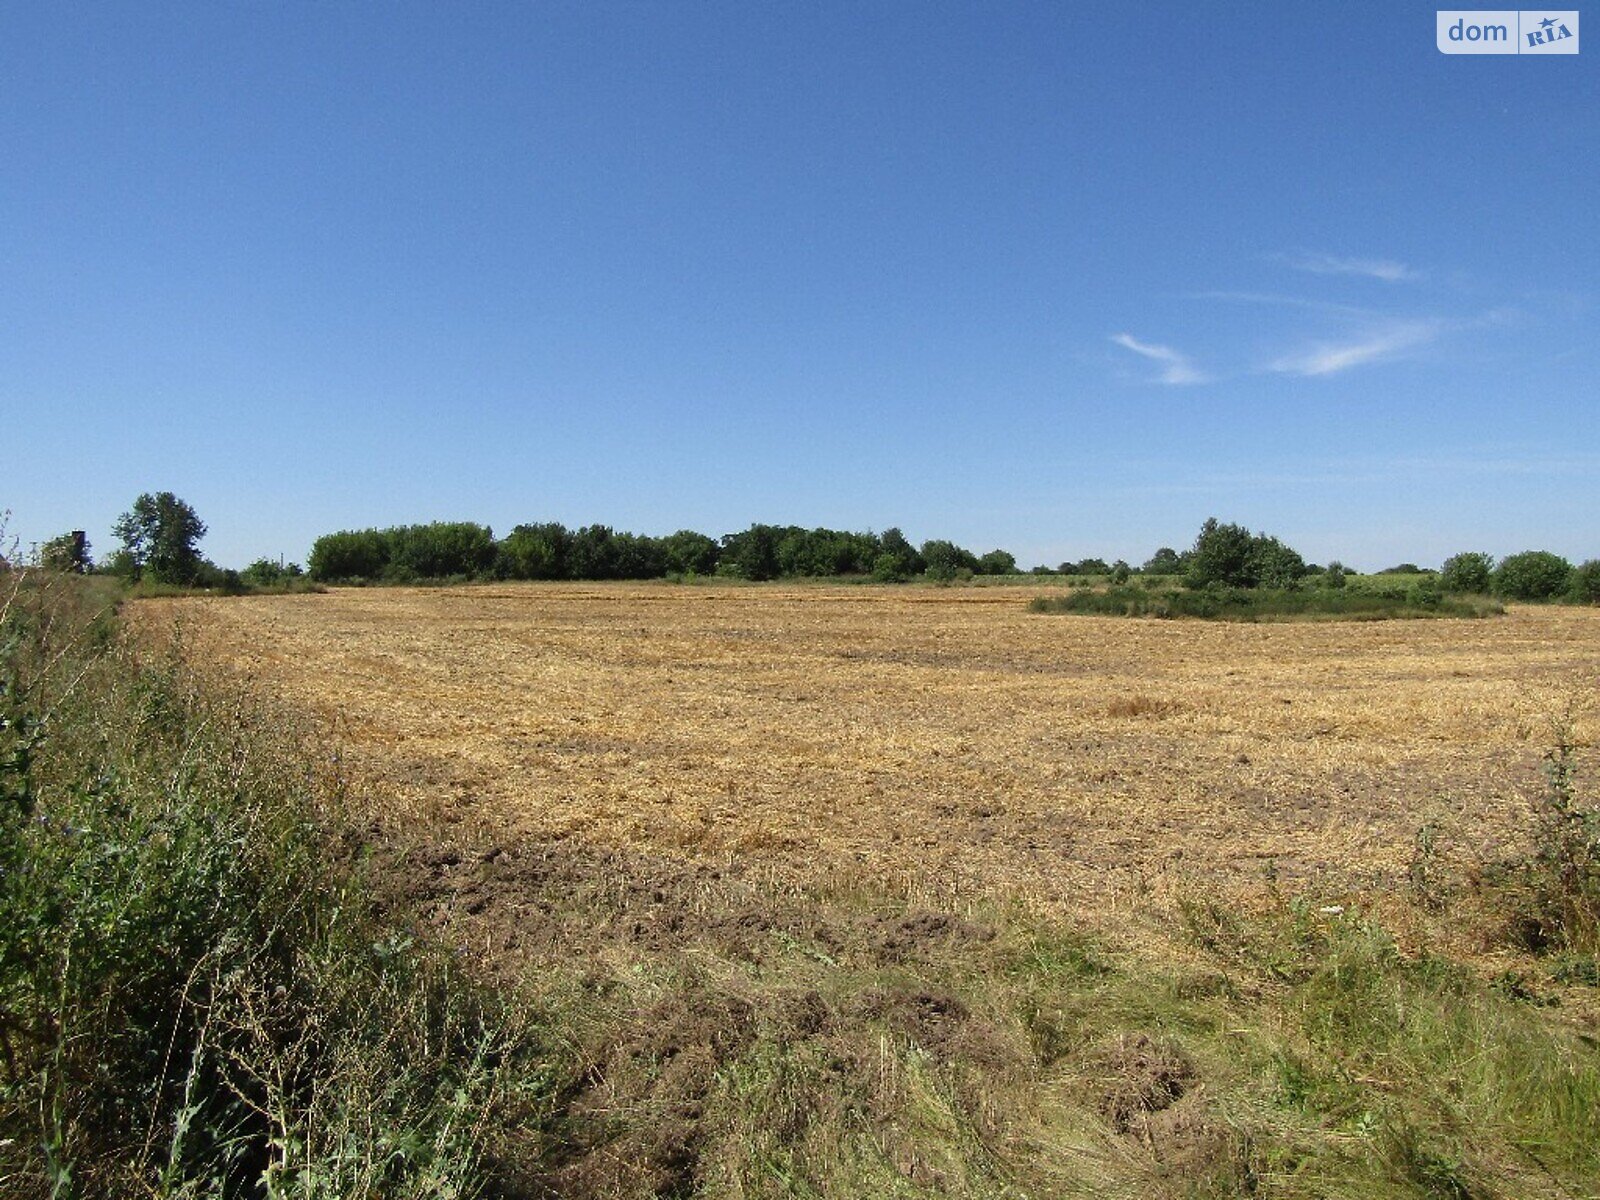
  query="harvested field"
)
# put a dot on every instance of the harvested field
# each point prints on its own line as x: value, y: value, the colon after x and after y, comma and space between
x: 946, y: 737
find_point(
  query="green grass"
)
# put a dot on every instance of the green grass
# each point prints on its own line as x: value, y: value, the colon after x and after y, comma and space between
x: 195, y: 997
x: 1260, y: 604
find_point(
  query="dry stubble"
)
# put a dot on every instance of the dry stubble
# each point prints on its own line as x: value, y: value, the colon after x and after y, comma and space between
x: 944, y: 738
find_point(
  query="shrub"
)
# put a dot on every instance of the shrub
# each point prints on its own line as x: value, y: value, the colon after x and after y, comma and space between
x: 266, y: 573
x: 1584, y: 586
x: 887, y: 568
x: 946, y: 560
x: 1561, y: 905
x: 1532, y: 575
x: 1333, y: 575
x: 1425, y: 594
x: 1467, y: 572
x: 1221, y: 556
x: 1275, y: 565
x: 213, y: 578
x: 350, y: 555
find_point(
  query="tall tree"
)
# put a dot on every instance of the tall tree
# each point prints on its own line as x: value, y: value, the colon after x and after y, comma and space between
x: 69, y: 552
x: 159, y: 534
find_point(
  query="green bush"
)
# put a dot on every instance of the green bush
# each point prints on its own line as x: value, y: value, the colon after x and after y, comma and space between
x: 1274, y: 565
x: 350, y: 555
x: 1584, y: 587
x: 886, y: 568
x: 1532, y: 575
x: 946, y: 560
x: 264, y: 573
x: 1425, y: 594
x: 1467, y: 572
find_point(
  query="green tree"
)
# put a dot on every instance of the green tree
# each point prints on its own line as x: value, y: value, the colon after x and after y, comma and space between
x: 1232, y: 556
x: 350, y: 554
x: 1467, y: 572
x: 439, y: 550
x: 594, y: 553
x: 1221, y: 555
x: 536, y: 552
x: 69, y: 552
x: 1585, y: 583
x: 1165, y: 561
x: 998, y: 562
x: 906, y: 559
x: 160, y: 533
x: 689, y: 552
x: 1274, y: 565
x: 945, y: 560
x: 752, y: 554
x: 1532, y: 575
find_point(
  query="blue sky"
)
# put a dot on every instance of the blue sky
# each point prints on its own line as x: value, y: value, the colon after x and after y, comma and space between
x: 1061, y: 278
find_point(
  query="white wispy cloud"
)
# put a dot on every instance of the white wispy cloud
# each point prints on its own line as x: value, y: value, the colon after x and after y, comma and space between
x: 1382, y: 344
x: 1373, y: 268
x: 1176, y: 367
x: 1274, y: 300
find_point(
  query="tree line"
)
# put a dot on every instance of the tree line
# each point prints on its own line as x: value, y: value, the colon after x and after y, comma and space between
x: 1231, y: 556
x: 160, y: 537
x: 451, y: 549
